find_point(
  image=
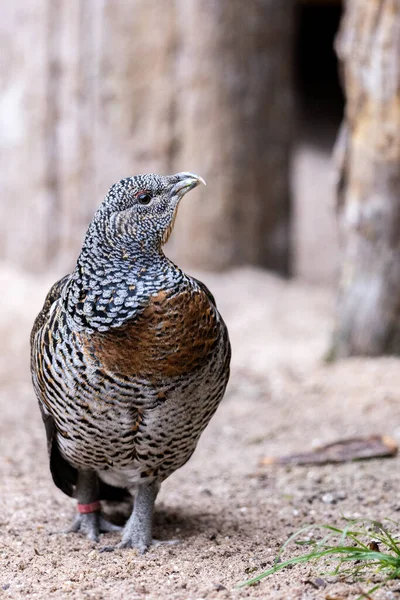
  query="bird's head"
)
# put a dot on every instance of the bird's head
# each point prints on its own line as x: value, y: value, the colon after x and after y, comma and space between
x: 142, y: 209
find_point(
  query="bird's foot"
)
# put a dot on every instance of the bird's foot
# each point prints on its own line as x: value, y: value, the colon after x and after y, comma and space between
x: 91, y: 525
x: 143, y: 545
x: 138, y: 529
x: 140, y: 545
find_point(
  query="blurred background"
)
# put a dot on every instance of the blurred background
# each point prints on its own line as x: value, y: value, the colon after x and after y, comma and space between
x: 290, y: 110
x: 93, y: 91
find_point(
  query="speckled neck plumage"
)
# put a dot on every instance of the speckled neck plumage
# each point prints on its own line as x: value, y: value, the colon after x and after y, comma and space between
x: 114, y: 279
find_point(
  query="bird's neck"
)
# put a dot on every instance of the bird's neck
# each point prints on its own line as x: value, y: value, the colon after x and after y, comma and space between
x: 114, y: 282
x: 99, y: 264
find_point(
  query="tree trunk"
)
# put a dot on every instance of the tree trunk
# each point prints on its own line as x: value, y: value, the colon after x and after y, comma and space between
x: 24, y: 147
x: 368, y: 153
x: 112, y: 89
x: 234, y: 124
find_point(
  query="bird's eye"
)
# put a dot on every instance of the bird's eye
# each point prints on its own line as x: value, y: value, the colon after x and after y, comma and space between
x: 143, y: 198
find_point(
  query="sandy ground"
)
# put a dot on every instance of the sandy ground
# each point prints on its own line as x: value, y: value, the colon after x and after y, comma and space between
x: 229, y: 514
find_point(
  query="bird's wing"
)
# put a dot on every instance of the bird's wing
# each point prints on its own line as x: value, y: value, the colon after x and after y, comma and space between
x: 53, y: 295
x: 64, y: 475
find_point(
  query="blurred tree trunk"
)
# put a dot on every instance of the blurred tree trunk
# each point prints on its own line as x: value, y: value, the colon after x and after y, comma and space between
x: 368, y: 155
x: 109, y: 89
x: 234, y: 126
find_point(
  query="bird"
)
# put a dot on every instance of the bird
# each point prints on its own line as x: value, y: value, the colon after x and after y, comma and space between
x: 130, y: 359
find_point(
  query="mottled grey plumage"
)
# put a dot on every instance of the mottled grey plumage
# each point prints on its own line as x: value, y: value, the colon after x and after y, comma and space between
x: 130, y: 358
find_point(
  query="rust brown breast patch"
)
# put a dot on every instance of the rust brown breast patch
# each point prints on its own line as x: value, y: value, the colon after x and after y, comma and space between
x: 174, y: 335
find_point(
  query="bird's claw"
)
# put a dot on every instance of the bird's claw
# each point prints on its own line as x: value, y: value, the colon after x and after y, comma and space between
x: 141, y: 547
x: 91, y: 525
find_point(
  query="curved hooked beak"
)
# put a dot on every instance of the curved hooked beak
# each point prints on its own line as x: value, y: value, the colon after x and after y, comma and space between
x: 184, y: 183
x: 181, y: 184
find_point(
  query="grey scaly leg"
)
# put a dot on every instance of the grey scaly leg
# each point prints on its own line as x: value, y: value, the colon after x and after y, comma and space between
x: 89, y: 523
x: 138, y: 530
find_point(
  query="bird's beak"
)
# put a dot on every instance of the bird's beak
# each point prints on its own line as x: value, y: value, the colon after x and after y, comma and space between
x: 184, y: 183
x: 181, y: 184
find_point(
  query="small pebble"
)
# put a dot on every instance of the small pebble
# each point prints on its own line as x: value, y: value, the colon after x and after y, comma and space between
x: 328, y: 498
x: 219, y: 587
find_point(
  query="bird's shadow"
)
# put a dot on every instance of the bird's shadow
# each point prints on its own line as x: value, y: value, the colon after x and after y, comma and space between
x: 182, y: 523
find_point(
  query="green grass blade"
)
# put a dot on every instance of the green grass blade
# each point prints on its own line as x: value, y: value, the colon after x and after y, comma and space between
x: 359, y: 553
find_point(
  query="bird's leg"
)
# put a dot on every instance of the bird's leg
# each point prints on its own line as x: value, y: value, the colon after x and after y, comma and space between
x: 138, y: 530
x: 88, y: 520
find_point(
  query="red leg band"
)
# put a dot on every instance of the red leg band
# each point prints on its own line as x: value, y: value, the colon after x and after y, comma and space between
x: 92, y: 507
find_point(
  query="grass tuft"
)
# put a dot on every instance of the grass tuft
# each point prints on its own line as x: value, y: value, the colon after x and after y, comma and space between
x: 361, y: 549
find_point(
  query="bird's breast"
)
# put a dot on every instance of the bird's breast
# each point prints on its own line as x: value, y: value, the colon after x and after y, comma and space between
x: 174, y: 335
